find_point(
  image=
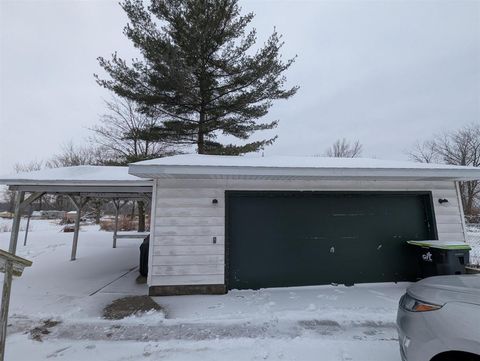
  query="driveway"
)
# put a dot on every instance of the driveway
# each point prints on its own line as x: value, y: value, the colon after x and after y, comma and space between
x: 328, y: 323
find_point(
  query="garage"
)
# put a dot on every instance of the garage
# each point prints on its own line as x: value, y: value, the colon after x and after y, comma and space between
x: 279, y: 239
x: 235, y: 222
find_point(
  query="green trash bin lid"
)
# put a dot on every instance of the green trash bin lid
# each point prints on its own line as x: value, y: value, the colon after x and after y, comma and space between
x: 441, y: 244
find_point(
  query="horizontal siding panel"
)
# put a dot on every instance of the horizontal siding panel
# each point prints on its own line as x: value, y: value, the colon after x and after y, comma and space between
x: 449, y: 228
x: 447, y: 210
x: 186, y: 240
x: 190, y: 231
x: 187, y: 280
x: 449, y: 218
x: 459, y: 236
x: 188, y: 202
x: 188, y: 260
x: 190, y: 212
x: 214, y: 249
x: 189, y: 221
x: 192, y: 269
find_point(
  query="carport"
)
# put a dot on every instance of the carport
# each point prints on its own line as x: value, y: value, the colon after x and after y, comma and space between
x: 79, y: 184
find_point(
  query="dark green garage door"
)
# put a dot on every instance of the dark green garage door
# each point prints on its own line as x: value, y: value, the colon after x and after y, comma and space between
x: 278, y: 239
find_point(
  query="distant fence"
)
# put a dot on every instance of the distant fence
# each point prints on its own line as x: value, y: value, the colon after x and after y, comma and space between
x: 473, y: 239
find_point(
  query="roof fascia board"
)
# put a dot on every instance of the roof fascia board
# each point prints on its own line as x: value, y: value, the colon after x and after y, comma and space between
x: 81, y: 189
x: 398, y: 173
x: 76, y: 183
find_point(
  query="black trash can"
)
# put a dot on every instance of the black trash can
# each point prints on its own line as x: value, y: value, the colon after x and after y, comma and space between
x: 143, y: 266
x: 438, y: 258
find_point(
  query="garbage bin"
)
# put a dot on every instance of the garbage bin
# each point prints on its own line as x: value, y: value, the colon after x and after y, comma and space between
x: 441, y: 257
x: 143, y: 266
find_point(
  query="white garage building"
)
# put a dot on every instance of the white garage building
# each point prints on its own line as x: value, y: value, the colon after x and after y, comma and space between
x: 224, y: 222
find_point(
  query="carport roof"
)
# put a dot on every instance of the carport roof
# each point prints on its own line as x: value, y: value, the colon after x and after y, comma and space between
x: 284, y: 167
x: 79, y: 179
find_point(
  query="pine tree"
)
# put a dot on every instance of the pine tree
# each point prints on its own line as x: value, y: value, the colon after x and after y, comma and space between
x: 199, y: 74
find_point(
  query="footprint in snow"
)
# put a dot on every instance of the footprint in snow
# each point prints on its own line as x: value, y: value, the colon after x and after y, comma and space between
x: 58, y: 352
x: 218, y: 305
x: 376, y: 293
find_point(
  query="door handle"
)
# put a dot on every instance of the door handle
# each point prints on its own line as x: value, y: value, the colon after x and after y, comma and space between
x: 332, y: 249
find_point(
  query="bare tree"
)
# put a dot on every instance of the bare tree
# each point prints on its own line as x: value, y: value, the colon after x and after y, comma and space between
x: 459, y: 147
x: 121, y: 131
x: 9, y: 195
x: 121, y: 136
x: 345, y: 149
x: 28, y: 167
x: 72, y: 155
x: 424, y: 152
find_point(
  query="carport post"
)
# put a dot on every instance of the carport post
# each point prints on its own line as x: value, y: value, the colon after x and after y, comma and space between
x: 78, y: 206
x: 27, y: 226
x: 75, y: 234
x: 115, y: 230
x: 17, y: 217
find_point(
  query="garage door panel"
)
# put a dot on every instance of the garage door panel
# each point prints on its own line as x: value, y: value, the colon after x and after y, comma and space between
x: 278, y: 239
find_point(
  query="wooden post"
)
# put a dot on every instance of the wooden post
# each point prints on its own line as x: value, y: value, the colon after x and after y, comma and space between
x: 116, y: 203
x: 12, y: 266
x: 7, y: 283
x: 7, y: 279
x: 27, y: 226
x: 19, y: 197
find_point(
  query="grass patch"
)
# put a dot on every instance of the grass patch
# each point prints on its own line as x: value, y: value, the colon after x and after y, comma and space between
x: 130, y: 306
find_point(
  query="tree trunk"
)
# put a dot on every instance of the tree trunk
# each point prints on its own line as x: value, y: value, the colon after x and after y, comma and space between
x: 40, y: 204
x: 132, y: 211
x: 141, y: 216
x: 201, y: 135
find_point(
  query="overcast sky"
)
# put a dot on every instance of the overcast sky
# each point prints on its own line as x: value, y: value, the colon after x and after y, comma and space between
x: 384, y: 72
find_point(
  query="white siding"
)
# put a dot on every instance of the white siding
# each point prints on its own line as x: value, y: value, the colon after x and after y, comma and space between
x: 185, y: 221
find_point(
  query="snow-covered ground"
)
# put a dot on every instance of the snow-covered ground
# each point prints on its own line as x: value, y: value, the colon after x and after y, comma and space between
x: 303, y: 323
x: 473, y: 239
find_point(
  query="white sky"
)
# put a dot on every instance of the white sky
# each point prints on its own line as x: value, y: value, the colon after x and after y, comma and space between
x: 385, y: 72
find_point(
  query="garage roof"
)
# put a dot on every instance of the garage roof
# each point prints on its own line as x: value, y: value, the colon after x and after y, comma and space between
x: 276, y: 167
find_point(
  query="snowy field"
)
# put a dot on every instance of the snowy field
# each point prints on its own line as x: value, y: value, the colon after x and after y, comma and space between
x: 304, y: 323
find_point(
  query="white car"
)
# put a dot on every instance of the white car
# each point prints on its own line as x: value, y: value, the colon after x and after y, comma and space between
x: 439, y: 319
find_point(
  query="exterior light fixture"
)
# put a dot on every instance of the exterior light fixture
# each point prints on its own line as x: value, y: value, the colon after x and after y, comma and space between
x: 442, y: 200
x: 214, y: 201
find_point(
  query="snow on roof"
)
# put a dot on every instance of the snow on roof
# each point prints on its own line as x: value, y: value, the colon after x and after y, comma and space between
x: 84, y: 175
x: 196, y: 164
